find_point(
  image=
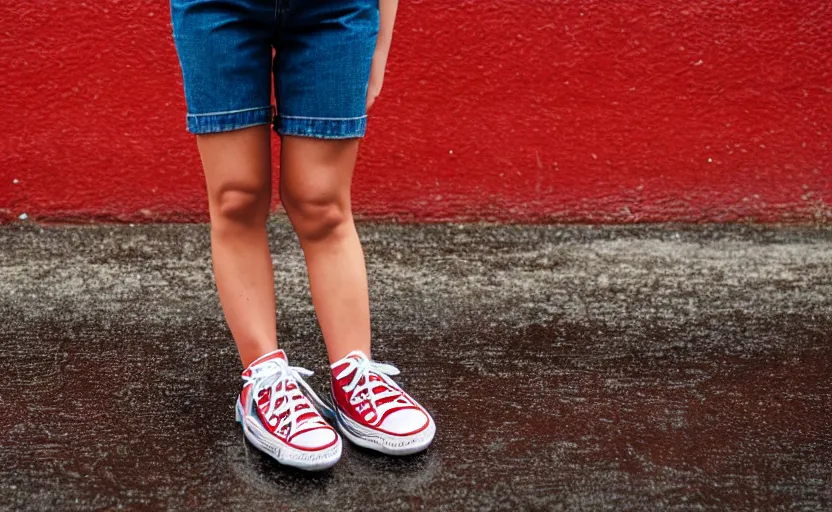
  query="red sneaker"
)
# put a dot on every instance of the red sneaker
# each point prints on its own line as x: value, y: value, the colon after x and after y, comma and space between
x: 277, y: 417
x: 374, y: 412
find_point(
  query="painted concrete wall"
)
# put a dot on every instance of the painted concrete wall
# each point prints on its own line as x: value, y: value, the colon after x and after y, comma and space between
x: 578, y: 111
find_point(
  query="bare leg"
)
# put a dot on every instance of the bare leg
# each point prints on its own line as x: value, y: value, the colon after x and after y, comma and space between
x: 315, y: 178
x: 237, y: 167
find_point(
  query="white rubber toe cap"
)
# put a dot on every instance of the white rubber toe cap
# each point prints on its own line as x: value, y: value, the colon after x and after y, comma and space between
x: 313, y: 439
x: 404, y: 421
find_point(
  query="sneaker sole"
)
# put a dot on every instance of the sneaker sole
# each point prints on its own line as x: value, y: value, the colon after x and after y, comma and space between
x: 385, y: 443
x: 285, y: 454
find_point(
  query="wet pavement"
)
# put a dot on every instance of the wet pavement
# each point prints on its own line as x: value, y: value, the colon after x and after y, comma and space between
x: 579, y: 368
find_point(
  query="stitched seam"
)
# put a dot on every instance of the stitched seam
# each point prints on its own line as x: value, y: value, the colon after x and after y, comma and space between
x: 229, y: 112
x: 227, y: 128
x: 297, y: 133
x: 325, y: 118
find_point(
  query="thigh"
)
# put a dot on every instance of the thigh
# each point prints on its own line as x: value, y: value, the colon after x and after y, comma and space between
x: 224, y: 49
x: 237, y: 167
x: 315, y: 171
x: 324, y: 54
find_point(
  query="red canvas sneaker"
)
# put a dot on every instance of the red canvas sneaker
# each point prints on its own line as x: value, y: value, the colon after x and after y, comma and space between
x: 374, y: 412
x: 277, y: 413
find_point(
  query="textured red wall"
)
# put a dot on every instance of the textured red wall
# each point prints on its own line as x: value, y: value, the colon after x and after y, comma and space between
x: 519, y: 110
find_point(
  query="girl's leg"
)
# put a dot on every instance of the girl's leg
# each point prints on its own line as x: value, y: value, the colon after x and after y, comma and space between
x: 238, y: 173
x: 237, y: 167
x: 371, y: 409
x: 315, y: 178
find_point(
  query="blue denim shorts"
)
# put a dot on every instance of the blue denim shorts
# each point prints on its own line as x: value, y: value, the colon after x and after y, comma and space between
x: 323, y: 51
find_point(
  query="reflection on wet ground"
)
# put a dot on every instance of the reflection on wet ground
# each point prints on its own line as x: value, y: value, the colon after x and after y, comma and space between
x: 578, y: 368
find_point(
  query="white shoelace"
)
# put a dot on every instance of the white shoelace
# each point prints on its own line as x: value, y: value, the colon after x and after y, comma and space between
x: 366, y: 390
x: 276, y: 375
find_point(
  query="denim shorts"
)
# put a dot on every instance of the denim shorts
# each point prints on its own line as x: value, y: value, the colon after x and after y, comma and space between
x: 323, y: 51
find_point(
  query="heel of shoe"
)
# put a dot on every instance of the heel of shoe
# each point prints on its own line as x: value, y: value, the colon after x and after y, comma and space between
x: 237, y: 413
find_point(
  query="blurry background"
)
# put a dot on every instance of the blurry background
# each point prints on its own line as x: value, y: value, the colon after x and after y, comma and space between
x: 518, y: 110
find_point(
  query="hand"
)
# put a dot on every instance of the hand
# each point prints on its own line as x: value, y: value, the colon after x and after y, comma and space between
x: 376, y: 77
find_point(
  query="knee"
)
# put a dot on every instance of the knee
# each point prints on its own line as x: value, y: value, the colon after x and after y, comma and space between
x: 240, y: 206
x: 317, y: 217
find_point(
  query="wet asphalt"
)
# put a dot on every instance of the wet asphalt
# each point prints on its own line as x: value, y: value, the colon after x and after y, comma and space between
x: 568, y: 368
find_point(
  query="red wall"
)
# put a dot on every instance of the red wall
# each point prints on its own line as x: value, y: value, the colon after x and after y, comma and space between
x: 519, y: 110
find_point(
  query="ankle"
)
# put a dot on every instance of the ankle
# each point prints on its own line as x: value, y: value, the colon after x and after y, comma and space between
x: 337, y: 357
x: 255, y: 352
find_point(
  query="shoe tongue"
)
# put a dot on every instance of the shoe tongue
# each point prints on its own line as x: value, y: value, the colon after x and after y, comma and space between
x: 339, y: 366
x: 276, y: 354
x: 292, y: 390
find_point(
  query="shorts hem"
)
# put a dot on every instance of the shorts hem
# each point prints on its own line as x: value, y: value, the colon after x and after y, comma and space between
x: 321, y: 127
x: 214, y: 122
